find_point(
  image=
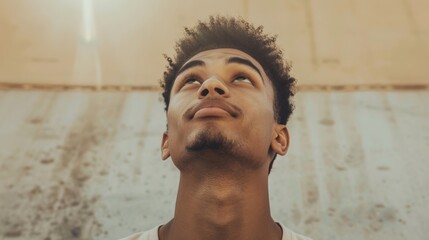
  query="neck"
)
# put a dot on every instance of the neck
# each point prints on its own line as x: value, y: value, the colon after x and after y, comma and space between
x: 216, y: 205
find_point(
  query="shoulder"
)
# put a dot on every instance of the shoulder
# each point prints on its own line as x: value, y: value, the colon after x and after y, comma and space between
x: 147, y: 235
x: 291, y: 235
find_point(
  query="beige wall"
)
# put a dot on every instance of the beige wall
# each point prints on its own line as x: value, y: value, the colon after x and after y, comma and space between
x: 332, y: 42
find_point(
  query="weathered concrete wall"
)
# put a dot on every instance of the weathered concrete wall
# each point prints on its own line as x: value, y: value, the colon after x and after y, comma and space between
x: 86, y: 165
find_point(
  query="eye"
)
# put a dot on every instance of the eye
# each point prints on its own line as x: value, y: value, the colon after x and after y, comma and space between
x: 242, y: 78
x: 191, y: 80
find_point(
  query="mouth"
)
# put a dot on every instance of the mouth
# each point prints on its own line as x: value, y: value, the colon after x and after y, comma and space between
x: 213, y: 109
x: 211, y: 112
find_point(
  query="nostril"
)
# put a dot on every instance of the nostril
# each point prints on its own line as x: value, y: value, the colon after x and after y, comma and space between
x: 205, y: 92
x: 220, y: 91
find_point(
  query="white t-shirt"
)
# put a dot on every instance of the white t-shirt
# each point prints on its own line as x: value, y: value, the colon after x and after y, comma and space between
x: 153, y: 235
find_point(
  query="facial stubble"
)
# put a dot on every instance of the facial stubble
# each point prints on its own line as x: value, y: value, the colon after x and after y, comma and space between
x: 216, y: 149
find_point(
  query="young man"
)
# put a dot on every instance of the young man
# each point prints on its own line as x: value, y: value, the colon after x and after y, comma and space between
x: 227, y: 96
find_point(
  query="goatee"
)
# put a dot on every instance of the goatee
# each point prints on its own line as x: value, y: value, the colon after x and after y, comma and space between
x: 211, y: 140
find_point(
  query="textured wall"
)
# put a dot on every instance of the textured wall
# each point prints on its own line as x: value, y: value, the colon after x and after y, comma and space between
x: 330, y: 42
x: 86, y: 165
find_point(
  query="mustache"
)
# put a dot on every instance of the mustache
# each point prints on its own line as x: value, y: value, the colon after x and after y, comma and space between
x: 233, y: 110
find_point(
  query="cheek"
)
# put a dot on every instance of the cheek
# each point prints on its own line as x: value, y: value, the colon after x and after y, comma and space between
x: 176, y: 122
x: 174, y: 111
x: 174, y: 127
x: 174, y: 134
x: 262, y: 120
x: 262, y: 111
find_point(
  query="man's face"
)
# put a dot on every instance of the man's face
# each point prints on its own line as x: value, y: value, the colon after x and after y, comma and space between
x: 221, y: 104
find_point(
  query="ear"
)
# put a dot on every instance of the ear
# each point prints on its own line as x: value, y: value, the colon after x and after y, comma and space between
x: 280, y: 141
x: 165, y: 151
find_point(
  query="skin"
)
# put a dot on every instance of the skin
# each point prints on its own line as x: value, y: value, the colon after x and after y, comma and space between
x: 223, y: 193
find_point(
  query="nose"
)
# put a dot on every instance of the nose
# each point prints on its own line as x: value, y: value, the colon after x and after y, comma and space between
x: 213, y: 87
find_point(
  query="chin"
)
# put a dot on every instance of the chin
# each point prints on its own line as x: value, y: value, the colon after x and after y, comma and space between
x: 212, y: 149
x: 210, y: 138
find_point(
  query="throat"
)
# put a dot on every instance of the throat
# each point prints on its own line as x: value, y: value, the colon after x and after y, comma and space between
x: 221, y: 207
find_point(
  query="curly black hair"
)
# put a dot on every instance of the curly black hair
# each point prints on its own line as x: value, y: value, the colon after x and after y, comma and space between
x: 230, y: 32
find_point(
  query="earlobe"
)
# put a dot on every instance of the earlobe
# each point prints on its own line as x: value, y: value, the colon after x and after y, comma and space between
x: 280, y: 142
x: 165, y: 150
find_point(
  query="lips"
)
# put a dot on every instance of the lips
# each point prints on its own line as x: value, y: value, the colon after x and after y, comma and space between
x: 211, y: 112
x: 213, y: 108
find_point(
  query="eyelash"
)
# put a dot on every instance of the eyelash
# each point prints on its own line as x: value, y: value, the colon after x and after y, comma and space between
x: 191, y: 78
x: 242, y: 75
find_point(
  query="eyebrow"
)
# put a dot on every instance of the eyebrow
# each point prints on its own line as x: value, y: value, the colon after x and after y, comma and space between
x: 238, y: 60
x: 244, y: 62
x: 191, y: 64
